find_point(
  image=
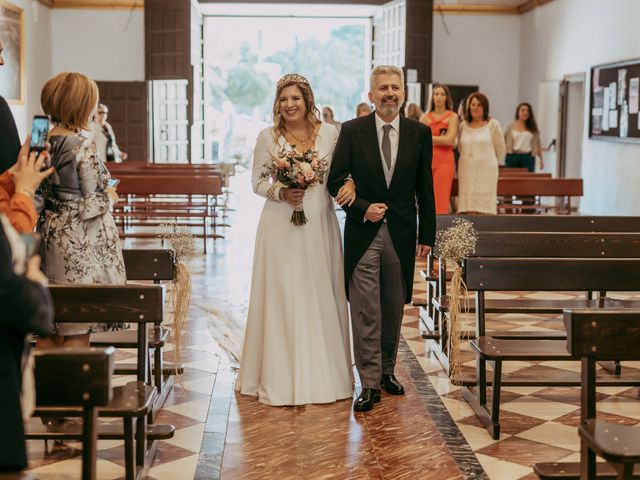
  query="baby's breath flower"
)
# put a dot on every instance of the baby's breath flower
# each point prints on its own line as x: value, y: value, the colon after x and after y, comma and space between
x: 456, y: 242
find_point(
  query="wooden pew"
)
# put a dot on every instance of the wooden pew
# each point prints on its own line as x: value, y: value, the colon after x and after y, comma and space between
x: 542, y: 245
x: 536, y: 274
x: 165, y: 198
x: 524, y: 186
x: 133, y: 304
x: 155, y: 265
x: 77, y: 378
x: 515, y: 223
x: 592, y: 336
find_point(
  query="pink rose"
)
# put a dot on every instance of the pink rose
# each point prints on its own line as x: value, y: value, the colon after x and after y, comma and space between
x: 283, y: 163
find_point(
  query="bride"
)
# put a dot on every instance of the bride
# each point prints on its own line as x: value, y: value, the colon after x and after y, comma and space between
x: 296, y: 347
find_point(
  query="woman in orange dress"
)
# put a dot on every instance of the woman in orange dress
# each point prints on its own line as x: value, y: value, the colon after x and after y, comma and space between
x: 444, y: 128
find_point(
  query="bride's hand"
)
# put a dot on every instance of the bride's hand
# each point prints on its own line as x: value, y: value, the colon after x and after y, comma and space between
x: 347, y: 194
x: 292, y: 196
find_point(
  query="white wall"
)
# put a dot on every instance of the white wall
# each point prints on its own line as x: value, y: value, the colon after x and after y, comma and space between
x: 481, y: 50
x: 570, y: 36
x: 37, y: 37
x: 103, y: 44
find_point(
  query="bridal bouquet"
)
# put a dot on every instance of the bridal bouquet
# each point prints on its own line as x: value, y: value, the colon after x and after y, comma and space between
x: 297, y: 170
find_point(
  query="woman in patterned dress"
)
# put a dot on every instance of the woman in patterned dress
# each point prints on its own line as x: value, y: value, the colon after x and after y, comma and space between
x: 80, y: 243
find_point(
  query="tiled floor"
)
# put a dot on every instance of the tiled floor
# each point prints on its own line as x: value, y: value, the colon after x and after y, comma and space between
x: 431, y: 432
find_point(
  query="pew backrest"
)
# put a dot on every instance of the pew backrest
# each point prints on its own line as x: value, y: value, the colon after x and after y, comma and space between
x: 168, y: 184
x: 149, y: 264
x: 605, y: 334
x: 132, y: 303
x: 544, y: 223
x: 557, y: 244
x: 71, y: 377
x: 552, y: 274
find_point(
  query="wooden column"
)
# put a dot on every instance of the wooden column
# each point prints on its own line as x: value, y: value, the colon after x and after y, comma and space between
x: 419, y: 39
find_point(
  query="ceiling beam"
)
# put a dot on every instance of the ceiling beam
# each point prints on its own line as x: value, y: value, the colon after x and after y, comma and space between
x: 105, y: 4
x: 475, y: 9
x: 530, y: 5
x: 524, y: 7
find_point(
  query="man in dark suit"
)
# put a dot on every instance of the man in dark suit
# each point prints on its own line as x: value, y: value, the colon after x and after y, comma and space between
x: 389, y: 159
x: 10, y: 144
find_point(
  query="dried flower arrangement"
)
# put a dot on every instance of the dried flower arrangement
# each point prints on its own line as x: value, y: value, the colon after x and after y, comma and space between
x: 181, y: 241
x: 454, y: 245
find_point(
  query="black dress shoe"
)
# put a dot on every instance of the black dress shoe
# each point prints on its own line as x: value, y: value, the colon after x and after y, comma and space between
x: 367, y: 398
x: 391, y: 384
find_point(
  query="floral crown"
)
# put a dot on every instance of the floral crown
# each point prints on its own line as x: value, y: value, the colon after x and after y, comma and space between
x: 291, y: 78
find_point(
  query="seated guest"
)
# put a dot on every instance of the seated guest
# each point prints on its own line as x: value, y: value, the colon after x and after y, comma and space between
x: 363, y: 109
x: 106, y: 145
x: 26, y: 308
x: 18, y: 186
x: 80, y: 242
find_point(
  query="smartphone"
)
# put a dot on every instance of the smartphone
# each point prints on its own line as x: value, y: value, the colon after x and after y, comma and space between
x: 39, y: 131
x: 113, y: 182
x: 32, y: 242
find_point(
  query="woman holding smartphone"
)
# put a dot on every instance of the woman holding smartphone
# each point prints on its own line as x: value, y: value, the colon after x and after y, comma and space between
x: 80, y: 242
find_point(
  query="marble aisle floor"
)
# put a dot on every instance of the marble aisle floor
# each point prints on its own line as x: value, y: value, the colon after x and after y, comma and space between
x: 429, y: 433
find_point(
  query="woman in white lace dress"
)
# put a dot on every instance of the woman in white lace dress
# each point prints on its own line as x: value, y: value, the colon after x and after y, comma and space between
x: 482, y: 148
x: 296, y: 348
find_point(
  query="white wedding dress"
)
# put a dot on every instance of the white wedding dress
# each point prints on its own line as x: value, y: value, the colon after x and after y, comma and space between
x: 296, y: 348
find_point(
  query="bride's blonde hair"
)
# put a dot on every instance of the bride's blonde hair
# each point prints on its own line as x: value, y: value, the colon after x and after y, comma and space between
x: 302, y: 83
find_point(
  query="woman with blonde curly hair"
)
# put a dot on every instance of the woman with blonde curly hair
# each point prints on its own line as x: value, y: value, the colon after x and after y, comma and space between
x: 80, y: 242
x: 296, y: 347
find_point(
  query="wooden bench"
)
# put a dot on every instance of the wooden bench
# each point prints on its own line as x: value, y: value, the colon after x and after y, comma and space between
x: 525, y: 186
x: 155, y: 265
x: 591, y: 336
x: 133, y: 402
x: 514, y: 223
x: 536, y: 244
x: 535, y: 274
x: 156, y: 207
x: 77, y: 378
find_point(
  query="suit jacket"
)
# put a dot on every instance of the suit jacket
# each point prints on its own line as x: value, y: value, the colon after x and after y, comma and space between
x: 10, y: 141
x: 25, y: 307
x: 357, y: 154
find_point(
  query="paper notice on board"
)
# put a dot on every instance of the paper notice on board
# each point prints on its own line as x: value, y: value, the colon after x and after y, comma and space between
x: 613, y: 95
x: 634, y: 86
x: 624, y: 120
x: 622, y: 85
x: 613, y: 118
x: 605, y: 116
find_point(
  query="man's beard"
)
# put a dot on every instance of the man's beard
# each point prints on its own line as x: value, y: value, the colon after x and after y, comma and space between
x: 389, y: 110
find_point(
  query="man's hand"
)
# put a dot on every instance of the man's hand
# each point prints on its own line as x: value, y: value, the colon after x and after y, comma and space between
x: 347, y: 194
x: 422, y: 250
x: 375, y: 212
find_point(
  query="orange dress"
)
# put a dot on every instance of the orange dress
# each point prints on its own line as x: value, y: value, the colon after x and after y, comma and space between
x: 443, y: 164
x: 17, y: 206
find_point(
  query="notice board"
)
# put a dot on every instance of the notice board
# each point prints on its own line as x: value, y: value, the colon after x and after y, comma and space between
x: 615, y: 101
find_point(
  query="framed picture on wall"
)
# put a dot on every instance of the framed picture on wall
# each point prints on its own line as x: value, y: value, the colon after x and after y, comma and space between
x: 12, y: 37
